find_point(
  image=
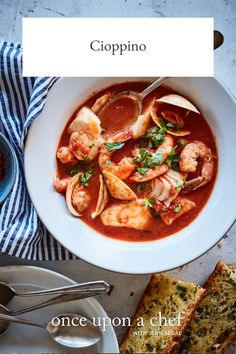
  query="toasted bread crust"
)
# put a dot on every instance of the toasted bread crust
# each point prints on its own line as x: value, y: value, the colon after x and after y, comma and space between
x: 162, y: 292
x: 213, y: 328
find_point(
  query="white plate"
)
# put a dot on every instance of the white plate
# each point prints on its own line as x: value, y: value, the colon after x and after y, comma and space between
x: 25, y: 339
x: 218, y: 106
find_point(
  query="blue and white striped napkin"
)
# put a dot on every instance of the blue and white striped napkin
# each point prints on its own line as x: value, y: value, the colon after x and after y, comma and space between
x: 21, y: 101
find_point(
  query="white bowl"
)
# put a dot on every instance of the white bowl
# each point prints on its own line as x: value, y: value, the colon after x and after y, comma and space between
x: 217, y: 105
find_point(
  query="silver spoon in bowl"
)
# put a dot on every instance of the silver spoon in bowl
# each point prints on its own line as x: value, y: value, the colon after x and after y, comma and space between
x: 71, y: 330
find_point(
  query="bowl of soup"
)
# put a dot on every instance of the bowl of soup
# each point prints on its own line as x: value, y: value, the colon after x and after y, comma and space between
x: 135, y: 192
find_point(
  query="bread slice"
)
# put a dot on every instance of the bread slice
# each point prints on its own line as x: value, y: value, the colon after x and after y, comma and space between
x: 163, y: 297
x: 213, y: 328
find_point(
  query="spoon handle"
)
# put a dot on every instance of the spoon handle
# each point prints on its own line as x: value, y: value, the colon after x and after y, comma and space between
x: 99, y: 285
x: 22, y: 321
x: 57, y: 300
x: 152, y: 87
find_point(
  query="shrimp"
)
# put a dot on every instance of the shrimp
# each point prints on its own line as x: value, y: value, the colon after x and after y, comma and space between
x: 83, y: 145
x: 188, y: 163
x: 162, y: 151
x: 150, y: 174
x: 127, y: 214
x: 61, y: 184
x: 138, y: 128
x: 122, y: 170
x: 65, y: 155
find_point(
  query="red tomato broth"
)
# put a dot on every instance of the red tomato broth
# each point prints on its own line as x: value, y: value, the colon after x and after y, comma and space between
x: 200, y: 130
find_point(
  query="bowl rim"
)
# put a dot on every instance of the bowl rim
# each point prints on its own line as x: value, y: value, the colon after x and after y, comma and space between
x: 10, y: 184
x: 122, y: 269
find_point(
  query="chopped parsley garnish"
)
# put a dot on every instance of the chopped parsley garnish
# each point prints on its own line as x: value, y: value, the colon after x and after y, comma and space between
x: 177, y: 208
x: 148, y: 160
x: 155, y: 214
x: 155, y: 136
x: 182, y: 142
x: 90, y: 147
x: 148, y: 202
x: 180, y: 185
x: 151, y: 133
x: 84, y: 177
x: 141, y: 187
x: 158, y: 138
x: 156, y: 159
x: 74, y: 170
x: 142, y: 171
x: 173, y: 159
x: 84, y: 165
x: 114, y: 146
x: 108, y: 162
x: 170, y: 125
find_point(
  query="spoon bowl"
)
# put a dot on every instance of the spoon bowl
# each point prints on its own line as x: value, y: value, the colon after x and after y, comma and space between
x: 136, y: 97
x: 82, y: 332
x: 68, y: 329
x: 6, y: 293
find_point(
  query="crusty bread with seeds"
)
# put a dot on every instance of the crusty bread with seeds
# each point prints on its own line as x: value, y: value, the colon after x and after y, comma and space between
x: 170, y: 297
x: 213, y: 328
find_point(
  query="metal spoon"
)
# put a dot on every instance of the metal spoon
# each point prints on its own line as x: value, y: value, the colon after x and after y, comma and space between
x: 52, y: 301
x: 7, y: 292
x: 70, y: 330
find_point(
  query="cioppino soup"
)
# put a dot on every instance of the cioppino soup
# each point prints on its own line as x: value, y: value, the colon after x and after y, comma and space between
x: 136, y: 173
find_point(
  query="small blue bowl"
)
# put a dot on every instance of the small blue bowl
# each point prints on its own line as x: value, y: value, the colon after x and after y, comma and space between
x: 9, y: 156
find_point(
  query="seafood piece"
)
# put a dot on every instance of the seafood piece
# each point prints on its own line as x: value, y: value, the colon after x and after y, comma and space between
x: 180, y: 207
x: 65, y: 155
x: 138, y: 128
x: 132, y: 215
x: 162, y: 151
x: 85, y: 138
x: 167, y: 187
x: 77, y: 197
x: 100, y: 102
x: 122, y: 170
x: 177, y: 100
x: 87, y: 122
x: 61, y: 184
x: 150, y: 174
x: 118, y: 188
x: 191, y: 153
x: 157, y: 120
x: 102, y: 198
x: 83, y: 145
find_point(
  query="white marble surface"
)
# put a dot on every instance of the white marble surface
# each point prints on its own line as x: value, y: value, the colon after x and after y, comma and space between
x: 128, y: 288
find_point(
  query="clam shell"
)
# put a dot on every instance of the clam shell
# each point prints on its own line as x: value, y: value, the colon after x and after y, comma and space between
x: 157, y: 120
x: 180, y: 101
x: 69, y: 190
x: 117, y: 188
x: 102, y: 198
